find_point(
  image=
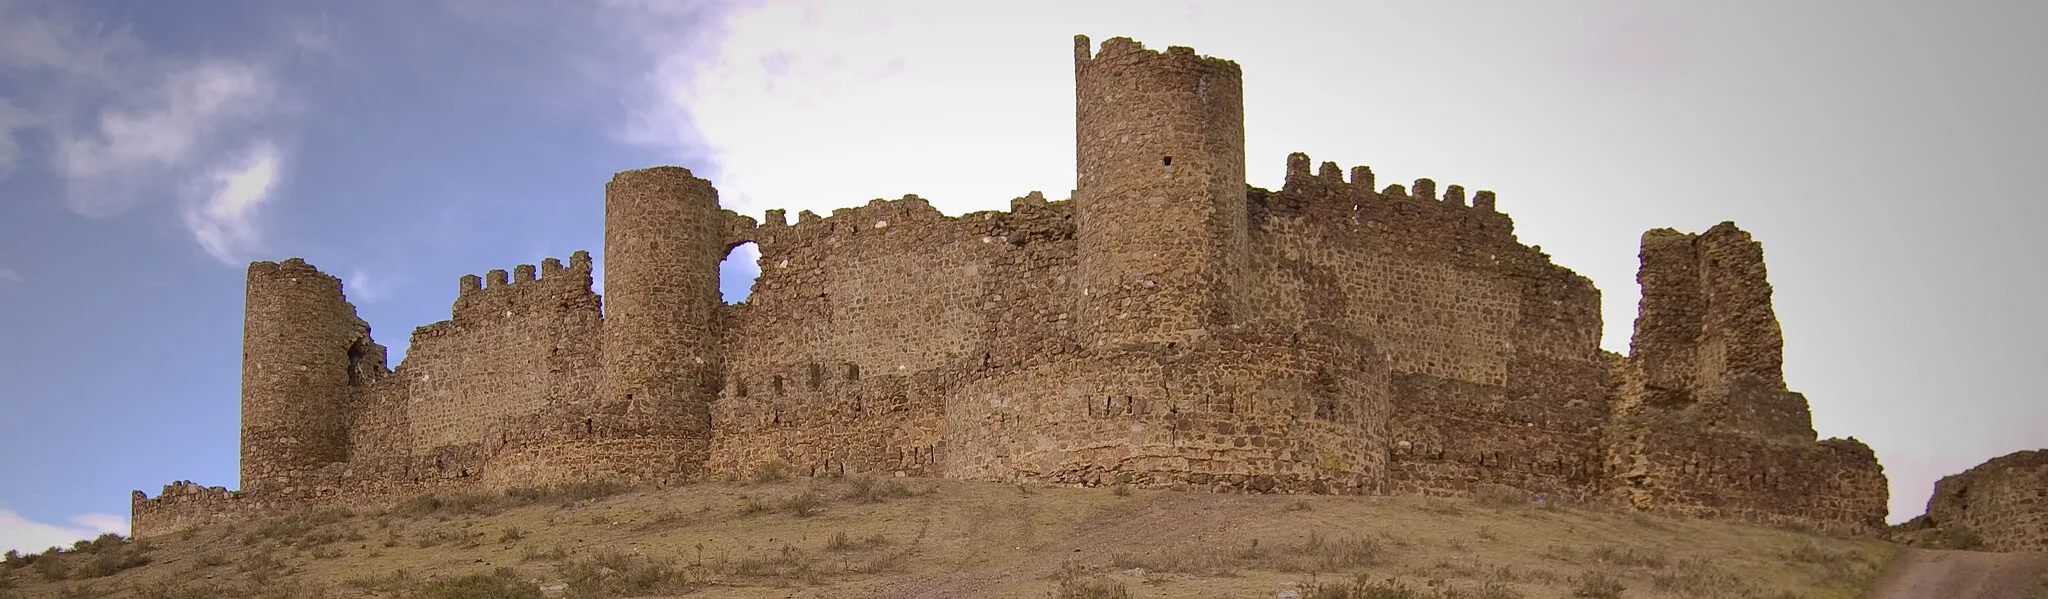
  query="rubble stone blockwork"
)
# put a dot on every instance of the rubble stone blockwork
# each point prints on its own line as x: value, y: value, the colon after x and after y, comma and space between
x: 2002, y: 504
x: 1167, y: 326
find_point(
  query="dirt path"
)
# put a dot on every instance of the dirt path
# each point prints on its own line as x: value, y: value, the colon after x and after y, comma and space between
x: 1174, y: 517
x: 1929, y: 574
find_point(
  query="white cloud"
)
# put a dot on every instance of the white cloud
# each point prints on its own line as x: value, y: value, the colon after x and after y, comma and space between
x: 131, y: 151
x: 28, y: 536
x: 222, y: 220
x: 8, y: 274
x: 362, y: 287
x: 12, y: 118
x: 127, y: 126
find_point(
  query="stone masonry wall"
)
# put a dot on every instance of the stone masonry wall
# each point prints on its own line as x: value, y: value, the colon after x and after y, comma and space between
x: 1159, y: 199
x: 1167, y: 326
x: 2003, y: 502
x: 1496, y: 374
x: 305, y: 356
x: 1703, y: 423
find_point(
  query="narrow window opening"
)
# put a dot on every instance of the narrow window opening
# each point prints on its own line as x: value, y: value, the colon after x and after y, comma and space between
x: 1167, y: 161
x: 588, y: 429
x: 853, y: 372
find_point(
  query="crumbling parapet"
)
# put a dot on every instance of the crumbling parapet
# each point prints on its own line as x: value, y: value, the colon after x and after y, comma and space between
x: 2000, y: 505
x: 1703, y: 423
x: 306, y: 354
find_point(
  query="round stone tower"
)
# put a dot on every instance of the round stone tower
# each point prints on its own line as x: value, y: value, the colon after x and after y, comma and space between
x: 1160, y: 191
x: 663, y: 239
x: 304, y: 353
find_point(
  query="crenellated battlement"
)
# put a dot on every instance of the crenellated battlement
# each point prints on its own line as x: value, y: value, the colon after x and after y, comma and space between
x: 1324, y: 195
x: 1165, y: 325
x: 878, y: 216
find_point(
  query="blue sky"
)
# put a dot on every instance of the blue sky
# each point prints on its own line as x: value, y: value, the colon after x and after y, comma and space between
x: 1885, y: 154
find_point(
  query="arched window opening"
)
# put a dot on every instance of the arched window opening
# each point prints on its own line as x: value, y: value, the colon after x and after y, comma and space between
x: 736, y: 273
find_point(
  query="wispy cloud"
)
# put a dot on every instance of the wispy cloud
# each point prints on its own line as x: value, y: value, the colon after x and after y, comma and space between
x: 222, y: 219
x: 361, y: 287
x: 25, y: 535
x: 853, y: 94
x: 12, y: 118
x: 170, y: 132
x: 128, y: 127
x: 8, y: 274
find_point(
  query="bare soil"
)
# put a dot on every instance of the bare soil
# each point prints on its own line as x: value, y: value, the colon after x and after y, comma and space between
x: 1936, y: 574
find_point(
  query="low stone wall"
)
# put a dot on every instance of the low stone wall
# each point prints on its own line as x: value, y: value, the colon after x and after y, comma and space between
x: 2001, y: 504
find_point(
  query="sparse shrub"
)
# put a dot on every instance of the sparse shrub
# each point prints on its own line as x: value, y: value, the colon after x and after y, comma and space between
x: 1597, y: 585
x: 446, y: 506
x: 786, y: 562
x: 1486, y: 533
x: 841, y: 541
x: 868, y: 489
x: 262, y: 567
x: 534, y: 554
x: 1121, y: 490
x: 771, y: 471
x: 1502, y: 496
x: 1298, y: 505
x: 1630, y: 557
x: 750, y: 506
x: 615, y: 574
x: 1091, y: 588
x: 504, y: 583
x: 567, y: 493
x: 81, y: 591
x: 1314, y: 554
x: 512, y: 534
x: 803, y: 505
x: 50, y: 567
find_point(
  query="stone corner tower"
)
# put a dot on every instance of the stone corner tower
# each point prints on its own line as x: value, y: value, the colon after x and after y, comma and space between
x: 1159, y: 192
x: 663, y: 239
x: 305, y: 354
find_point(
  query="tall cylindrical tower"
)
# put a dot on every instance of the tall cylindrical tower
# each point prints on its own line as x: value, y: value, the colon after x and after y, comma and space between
x: 1160, y: 191
x: 300, y: 342
x: 663, y: 239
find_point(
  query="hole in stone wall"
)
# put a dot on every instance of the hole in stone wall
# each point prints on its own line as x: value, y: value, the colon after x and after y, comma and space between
x: 1167, y: 161
x: 853, y: 372
x: 736, y: 273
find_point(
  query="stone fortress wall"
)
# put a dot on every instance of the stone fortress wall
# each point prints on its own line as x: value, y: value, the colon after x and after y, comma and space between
x: 1166, y: 326
x: 2000, y: 505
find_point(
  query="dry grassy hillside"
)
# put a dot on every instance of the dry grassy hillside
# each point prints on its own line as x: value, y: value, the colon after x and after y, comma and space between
x: 862, y: 537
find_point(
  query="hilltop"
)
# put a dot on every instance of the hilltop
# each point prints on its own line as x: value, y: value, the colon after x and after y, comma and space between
x: 891, y: 537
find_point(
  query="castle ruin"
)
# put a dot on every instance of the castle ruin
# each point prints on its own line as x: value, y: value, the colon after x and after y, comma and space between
x: 1167, y: 326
